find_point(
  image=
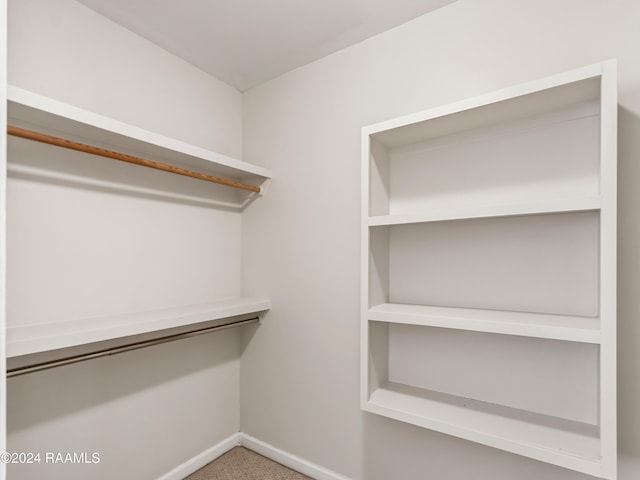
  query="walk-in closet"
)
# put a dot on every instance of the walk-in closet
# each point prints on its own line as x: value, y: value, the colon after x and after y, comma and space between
x: 338, y: 240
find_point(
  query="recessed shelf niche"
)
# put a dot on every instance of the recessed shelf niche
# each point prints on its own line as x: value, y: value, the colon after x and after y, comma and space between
x: 488, y: 269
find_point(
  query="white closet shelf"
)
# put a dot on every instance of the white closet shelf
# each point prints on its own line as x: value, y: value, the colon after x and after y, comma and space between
x: 538, y: 325
x: 501, y: 107
x: 533, y: 207
x: 36, y: 338
x: 550, y: 439
x: 30, y: 110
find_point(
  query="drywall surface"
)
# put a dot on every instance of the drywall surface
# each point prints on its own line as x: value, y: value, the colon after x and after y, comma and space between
x: 3, y: 259
x: 300, y: 370
x: 133, y: 415
x: 143, y: 412
x: 63, y: 50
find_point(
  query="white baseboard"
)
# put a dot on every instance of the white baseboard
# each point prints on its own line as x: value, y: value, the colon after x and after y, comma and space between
x: 266, y: 450
x: 200, y: 460
x: 288, y: 460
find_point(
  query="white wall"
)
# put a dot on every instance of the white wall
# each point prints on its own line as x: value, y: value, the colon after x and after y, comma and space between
x: 299, y: 372
x: 3, y: 182
x: 147, y: 411
x: 65, y: 51
x: 299, y: 384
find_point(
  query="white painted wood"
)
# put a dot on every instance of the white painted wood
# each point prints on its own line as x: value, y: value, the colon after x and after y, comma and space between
x: 196, y: 463
x: 553, y: 327
x: 34, y: 338
x: 378, y: 266
x: 263, y: 448
x: 3, y: 237
x: 378, y: 347
x: 30, y: 110
x: 486, y: 210
x: 289, y: 460
x: 560, y: 442
x: 495, y: 217
x: 608, y: 271
x: 526, y: 100
x: 110, y: 229
x: 365, y: 268
x: 379, y: 178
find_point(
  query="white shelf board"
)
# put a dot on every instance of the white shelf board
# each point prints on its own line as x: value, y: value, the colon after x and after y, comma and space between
x: 555, y: 327
x: 30, y: 110
x: 35, y: 338
x: 550, y: 439
x: 534, y: 207
x: 525, y: 100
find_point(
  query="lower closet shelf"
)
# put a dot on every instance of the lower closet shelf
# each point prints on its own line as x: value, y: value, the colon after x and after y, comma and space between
x: 36, y: 338
x: 554, y: 440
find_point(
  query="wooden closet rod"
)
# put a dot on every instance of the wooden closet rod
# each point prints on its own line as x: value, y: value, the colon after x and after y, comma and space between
x: 37, y: 367
x: 81, y: 147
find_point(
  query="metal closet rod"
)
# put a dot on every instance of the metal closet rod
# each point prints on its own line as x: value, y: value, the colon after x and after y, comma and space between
x: 81, y: 147
x: 36, y: 367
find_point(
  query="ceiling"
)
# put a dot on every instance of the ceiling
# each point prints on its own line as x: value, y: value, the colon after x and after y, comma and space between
x: 247, y: 42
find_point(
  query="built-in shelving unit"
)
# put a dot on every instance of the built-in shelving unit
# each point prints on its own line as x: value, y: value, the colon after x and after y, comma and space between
x: 126, y: 244
x: 488, y: 269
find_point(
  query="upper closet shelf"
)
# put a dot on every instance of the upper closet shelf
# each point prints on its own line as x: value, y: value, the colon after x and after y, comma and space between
x: 552, y: 95
x: 27, y: 110
x: 37, y: 338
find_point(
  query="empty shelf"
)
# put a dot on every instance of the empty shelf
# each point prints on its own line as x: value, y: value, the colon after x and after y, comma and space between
x: 35, y: 338
x: 554, y: 440
x: 555, y: 327
x: 534, y: 207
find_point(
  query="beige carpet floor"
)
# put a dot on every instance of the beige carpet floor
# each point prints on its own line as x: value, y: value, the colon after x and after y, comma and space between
x: 242, y: 464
